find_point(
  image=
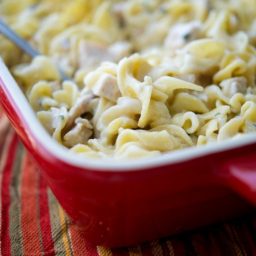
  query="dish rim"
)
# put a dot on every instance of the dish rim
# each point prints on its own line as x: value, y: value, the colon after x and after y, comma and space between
x: 58, y: 151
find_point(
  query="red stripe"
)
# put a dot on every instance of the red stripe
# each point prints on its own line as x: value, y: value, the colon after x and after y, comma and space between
x: 29, y: 204
x: 45, y: 222
x: 5, y: 195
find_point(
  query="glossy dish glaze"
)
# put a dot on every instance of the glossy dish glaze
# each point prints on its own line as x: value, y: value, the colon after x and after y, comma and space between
x: 123, y: 203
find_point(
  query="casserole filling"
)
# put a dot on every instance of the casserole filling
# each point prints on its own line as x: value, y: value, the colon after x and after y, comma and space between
x: 147, y: 77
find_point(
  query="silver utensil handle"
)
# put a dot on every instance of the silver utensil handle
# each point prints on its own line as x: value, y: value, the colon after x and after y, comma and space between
x: 23, y: 44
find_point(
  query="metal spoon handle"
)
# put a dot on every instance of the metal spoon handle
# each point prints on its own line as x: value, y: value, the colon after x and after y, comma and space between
x: 24, y: 45
x: 21, y: 43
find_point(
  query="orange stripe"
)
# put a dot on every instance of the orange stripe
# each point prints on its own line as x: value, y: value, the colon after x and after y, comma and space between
x: 156, y: 248
x: 235, y: 246
x: 29, y: 206
x: 135, y: 251
x: 79, y: 241
x: 170, y: 247
x: 64, y: 232
x: 103, y: 251
x: 44, y: 218
x: 56, y: 228
x: 4, y: 129
x: 237, y: 240
x: 4, y: 125
x: 67, y: 222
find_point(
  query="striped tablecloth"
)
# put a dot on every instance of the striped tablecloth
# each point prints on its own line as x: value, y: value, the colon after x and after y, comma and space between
x: 33, y: 223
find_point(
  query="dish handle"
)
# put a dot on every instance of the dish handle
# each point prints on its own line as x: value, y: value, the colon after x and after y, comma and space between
x: 240, y: 175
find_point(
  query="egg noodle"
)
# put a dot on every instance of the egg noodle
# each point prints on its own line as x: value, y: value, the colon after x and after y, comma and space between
x: 148, y: 76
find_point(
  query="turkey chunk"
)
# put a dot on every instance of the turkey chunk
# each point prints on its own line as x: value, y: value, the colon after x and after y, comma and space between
x: 234, y: 85
x: 91, y: 54
x: 81, y: 106
x: 180, y: 34
x: 120, y: 50
x: 106, y: 87
x: 79, y: 134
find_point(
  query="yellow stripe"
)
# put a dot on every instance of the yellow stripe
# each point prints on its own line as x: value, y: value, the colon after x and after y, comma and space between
x: 156, y: 248
x: 170, y: 247
x: 64, y: 232
x: 102, y: 251
x: 135, y: 251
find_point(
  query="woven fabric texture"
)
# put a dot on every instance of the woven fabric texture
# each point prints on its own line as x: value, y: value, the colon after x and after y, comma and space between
x: 33, y: 223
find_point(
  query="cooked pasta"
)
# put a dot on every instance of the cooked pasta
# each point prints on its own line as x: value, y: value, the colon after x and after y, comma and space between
x: 147, y: 76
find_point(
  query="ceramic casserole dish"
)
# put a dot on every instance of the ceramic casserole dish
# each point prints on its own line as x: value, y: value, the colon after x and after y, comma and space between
x: 123, y: 203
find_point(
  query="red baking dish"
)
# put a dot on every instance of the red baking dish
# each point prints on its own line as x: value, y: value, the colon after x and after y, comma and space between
x: 123, y: 203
